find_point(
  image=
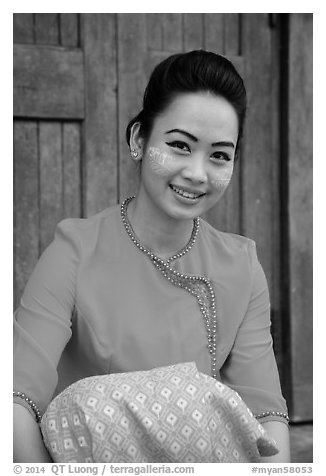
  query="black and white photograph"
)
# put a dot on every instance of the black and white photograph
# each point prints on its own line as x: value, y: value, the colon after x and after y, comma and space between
x: 163, y: 238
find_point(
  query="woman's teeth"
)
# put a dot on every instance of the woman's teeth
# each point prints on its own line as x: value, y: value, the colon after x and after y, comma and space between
x: 185, y: 194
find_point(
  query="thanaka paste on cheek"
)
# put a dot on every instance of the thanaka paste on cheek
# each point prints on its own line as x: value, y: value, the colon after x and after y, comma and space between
x: 221, y: 179
x: 161, y: 163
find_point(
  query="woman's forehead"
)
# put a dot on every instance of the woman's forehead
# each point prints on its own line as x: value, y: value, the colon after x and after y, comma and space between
x: 200, y: 113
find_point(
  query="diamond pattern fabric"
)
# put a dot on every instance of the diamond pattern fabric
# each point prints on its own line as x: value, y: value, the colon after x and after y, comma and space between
x: 170, y: 414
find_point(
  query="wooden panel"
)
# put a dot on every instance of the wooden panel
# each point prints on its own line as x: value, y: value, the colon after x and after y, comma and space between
x: 193, y: 31
x: 51, y: 181
x: 71, y: 170
x: 69, y: 29
x: 47, y: 28
x: 26, y: 209
x: 300, y: 211
x: 260, y: 177
x: 213, y: 23
x: 23, y: 27
x: 48, y: 82
x: 172, y: 32
x: 154, y: 29
x: 100, y: 126
x: 231, y: 33
x: 132, y: 82
x: 260, y: 157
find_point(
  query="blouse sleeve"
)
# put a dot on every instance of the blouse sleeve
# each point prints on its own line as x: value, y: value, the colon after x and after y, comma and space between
x: 43, y: 319
x: 250, y: 368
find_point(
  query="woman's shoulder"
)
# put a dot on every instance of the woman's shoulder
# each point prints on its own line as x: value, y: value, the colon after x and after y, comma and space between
x: 91, y: 223
x: 231, y: 242
x: 82, y: 233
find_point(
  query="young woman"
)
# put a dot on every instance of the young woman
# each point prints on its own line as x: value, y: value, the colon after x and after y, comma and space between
x: 149, y: 283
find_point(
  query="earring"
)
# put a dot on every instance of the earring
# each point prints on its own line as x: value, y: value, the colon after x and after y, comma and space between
x: 135, y: 155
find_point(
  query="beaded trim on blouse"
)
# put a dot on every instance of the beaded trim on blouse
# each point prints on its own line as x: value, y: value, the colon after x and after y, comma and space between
x: 198, y: 286
x: 31, y: 404
x: 279, y: 414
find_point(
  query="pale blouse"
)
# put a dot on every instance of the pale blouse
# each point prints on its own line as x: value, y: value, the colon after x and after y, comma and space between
x: 95, y: 304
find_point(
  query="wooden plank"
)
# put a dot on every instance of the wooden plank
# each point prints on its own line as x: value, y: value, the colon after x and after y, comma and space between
x: 23, y: 28
x: 154, y: 31
x: 231, y: 33
x: 260, y: 183
x: 300, y: 211
x: 47, y: 28
x: 48, y: 82
x: 213, y: 27
x: 193, y: 31
x: 69, y: 29
x: 132, y: 82
x: 26, y: 209
x: 172, y: 32
x: 72, y: 198
x: 260, y: 146
x: 51, y: 181
x: 100, y: 126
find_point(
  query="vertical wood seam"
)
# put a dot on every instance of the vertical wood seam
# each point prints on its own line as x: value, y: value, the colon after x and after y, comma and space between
x: 63, y: 182
x: 203, y: 30
x: 240, y: 34
x: 59, y: 30
x: 82, y: 167
x: 241, y: 193
x: 284, y: 208
x: 38, y: 184
x: 14, y: 222
x: 183, y: 31
x: 81, y: 175
x: 117, y: 93
x: 34, y: 28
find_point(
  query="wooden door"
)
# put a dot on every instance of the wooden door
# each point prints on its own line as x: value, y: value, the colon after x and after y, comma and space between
x: 65, y: 126
x: 79, y: 79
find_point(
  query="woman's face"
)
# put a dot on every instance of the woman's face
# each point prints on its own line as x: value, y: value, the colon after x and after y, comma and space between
x: 189, y: 157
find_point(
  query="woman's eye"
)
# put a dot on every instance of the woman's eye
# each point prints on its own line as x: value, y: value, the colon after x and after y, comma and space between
x: 221, y: 156
x: 179, y: 145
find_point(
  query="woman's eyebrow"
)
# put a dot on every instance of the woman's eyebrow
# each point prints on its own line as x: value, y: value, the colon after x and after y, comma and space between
x: 193, y: 138
x: 223, y: 143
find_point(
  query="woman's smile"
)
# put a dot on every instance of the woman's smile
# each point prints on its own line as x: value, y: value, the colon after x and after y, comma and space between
x: 190, y: 195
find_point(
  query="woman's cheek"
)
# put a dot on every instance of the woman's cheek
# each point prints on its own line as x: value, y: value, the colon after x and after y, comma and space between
x: 221, y: 178
x: 161, y: 163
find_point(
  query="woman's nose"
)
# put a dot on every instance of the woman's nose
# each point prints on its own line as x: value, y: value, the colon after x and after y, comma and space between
x: 195, y: 171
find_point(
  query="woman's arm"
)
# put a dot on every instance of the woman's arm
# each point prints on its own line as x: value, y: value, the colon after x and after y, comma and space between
x: 280, y: 433
x: 28, y: 441
x: 42, y: 328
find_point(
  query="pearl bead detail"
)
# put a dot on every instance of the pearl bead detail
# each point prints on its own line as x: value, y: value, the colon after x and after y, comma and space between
x: 279, y: 414
x: 30, y: 402
x: 198, y: 286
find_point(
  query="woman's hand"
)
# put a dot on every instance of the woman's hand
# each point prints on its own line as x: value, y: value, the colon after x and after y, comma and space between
x: 280, y: 432
x: 28, y: 441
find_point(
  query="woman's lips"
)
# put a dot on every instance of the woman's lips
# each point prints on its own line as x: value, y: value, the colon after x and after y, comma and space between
x: 186, y: 192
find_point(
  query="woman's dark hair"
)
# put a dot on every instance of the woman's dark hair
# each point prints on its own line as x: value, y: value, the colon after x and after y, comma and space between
x: 195, y: 71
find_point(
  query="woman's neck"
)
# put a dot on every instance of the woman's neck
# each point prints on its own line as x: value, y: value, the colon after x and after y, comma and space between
x: 163, y: 235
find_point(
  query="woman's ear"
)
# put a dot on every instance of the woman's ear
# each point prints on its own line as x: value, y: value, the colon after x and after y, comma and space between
x: 136, y: 141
